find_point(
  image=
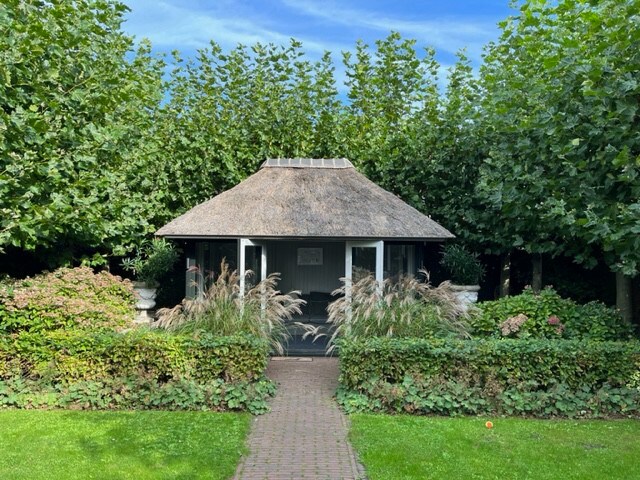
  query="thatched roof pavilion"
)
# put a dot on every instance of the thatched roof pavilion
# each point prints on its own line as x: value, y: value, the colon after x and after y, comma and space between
x: 314, y: 221
x: 305, y: 199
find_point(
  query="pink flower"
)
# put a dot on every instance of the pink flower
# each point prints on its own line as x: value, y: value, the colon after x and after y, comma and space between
x: 553, y: 320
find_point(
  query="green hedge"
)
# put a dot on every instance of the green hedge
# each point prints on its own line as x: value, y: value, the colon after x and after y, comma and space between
x: 138, y: 369
x: 534, y: 377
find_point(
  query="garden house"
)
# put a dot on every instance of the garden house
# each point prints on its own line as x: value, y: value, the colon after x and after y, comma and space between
x: 314, y: 221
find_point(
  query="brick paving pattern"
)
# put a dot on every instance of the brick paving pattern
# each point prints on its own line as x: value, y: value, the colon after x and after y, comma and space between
x: 305, y: 434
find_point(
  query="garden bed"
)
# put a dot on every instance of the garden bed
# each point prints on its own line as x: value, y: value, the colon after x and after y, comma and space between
x: 545, y: 378
x: 135, y: 370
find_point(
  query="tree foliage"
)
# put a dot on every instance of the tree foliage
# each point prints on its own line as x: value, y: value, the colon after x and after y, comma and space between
x: 74, y: 110
x: 540, y: 152
x: 229, y: 111
x: 561, y: 106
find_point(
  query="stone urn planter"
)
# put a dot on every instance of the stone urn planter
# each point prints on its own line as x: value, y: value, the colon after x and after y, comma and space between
x: 466, y: 294
x: 465, y: 271
x: 153, y: 260
x: 145, y: 301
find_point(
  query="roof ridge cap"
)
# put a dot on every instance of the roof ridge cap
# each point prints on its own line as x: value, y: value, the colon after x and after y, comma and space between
x: 300, y: 162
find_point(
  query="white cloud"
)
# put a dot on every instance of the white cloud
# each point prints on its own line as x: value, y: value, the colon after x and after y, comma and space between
x: 171, y: 26
x: 188, y: 25
x: 444, y: 34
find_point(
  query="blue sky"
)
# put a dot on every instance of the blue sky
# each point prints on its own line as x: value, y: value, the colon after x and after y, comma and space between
x: 446, y: 25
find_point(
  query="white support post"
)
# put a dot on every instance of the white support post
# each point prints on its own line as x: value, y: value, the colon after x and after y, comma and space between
x: 348, y: 280
x: 243, y: 244
x: 379, y: 264
x: 241, y: 263
x: 348, y: 262
x: 263, y: 273
x: 263, y: 276
x: 348, y: 266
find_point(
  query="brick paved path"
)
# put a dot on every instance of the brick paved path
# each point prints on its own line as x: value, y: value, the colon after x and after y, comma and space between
x: 305, y: 434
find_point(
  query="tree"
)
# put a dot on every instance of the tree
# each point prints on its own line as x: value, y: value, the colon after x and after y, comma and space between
x: 388, y: 89
x: 228, y: 112
x: 562, y: 103
x: 73, y: 112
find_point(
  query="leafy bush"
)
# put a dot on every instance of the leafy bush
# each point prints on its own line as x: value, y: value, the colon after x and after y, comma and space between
x: 137, y: 369
x: 406, y: 308
x: 463, y: 266
x: 547, y: 315
x: 66, y: 298
x: 594, y: 320
x: 221, y: 309
x: 442, y: 376
x: 138, y: 393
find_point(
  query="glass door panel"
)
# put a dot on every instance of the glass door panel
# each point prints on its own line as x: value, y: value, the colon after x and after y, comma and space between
x: 363, y: 263
x: 253, y: 264
x: 253, y: 257
x: 362, y: 259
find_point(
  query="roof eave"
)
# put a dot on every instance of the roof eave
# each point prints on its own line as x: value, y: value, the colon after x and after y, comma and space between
x: 312, y: 238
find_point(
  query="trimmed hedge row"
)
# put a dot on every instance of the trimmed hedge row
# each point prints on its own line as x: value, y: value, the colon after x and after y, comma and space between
x: 537, y: 377
x: 137, y: 369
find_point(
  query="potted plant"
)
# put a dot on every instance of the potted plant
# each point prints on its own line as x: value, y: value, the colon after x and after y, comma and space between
x: 465, y: 271
x: 152, y: 260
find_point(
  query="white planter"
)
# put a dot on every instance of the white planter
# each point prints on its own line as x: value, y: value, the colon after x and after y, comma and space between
x: 466, y: 294
x: 145, y: 300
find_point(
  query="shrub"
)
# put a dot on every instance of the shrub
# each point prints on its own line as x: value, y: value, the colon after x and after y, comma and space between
x: 463, y: 266
x: 222, y: 310
x: 442, y: 376
x: 137, y: 369
x: 66, y: 298
x: 152, y: 262
x: 547, y: 315
x: 594, y: 320
x: 406, y: 308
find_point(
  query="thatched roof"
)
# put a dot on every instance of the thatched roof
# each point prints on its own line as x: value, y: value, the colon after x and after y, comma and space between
x: 305, y: 198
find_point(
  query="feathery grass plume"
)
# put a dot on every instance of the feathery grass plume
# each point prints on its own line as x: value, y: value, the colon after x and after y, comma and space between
x: 405, y: 308
x: 222, y: 310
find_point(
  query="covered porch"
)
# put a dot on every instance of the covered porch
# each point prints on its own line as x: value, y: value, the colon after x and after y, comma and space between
x: 313, y: 267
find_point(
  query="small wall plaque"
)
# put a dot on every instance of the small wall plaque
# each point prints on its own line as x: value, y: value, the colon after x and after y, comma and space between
x: 310, y: 256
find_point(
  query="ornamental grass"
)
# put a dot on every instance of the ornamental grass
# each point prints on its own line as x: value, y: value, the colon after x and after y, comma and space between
x: 221, y: 309
x: 408, y: 307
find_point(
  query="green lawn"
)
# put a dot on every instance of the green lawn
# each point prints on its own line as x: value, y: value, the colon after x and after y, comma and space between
x: 65, y: 445
x: 404, y: 447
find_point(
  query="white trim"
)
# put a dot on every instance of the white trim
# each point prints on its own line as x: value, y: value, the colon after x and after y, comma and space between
x: 242, y: 244
x: 379, y: 262
x: 241, y: 259
x: 348, y: 262
x: 200, y: 278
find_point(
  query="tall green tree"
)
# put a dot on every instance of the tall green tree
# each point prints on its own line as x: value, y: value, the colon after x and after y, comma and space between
x: 387, y: 88
x: 229, y: 111
x: 562, y: 93
x: 75, y: 101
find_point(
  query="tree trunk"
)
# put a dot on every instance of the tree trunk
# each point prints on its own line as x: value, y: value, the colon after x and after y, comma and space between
x: 505, y: 274
x: 536, y: 278
x: 623, y: 296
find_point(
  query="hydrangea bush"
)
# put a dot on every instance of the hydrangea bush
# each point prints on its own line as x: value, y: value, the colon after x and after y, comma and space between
x: 548, y: 315
x: 66, y: 298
